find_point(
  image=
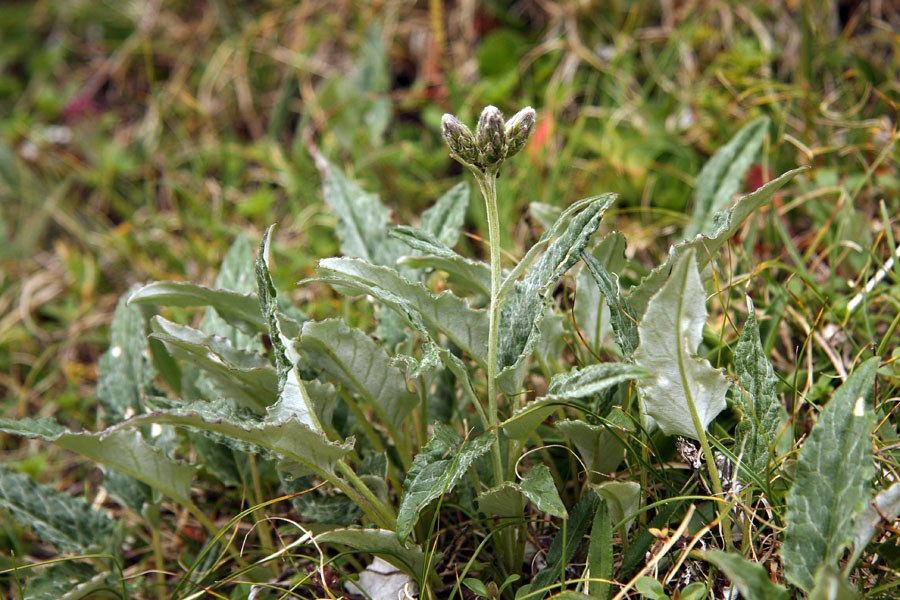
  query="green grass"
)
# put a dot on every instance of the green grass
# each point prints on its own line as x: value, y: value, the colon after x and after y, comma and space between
x: 134, y: 145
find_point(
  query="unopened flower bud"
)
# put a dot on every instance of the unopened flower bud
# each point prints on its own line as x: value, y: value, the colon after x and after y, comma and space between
x: 459, y: 138
x: 518, y: 129
x: 490, y: 136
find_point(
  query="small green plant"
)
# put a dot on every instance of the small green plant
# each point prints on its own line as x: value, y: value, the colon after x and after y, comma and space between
x: 456, y: 409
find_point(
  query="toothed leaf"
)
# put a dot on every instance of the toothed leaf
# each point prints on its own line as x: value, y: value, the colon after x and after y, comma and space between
x: 832, y: 480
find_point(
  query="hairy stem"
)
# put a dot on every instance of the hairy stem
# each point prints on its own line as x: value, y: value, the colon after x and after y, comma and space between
x: 487, y: 182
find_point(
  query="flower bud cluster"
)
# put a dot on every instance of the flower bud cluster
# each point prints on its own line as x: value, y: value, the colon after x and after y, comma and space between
x: 494, y: 139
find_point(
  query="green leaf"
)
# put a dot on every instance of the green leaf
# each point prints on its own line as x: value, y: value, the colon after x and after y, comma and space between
x: 600, y: 553
x: 444, y: 314
x: 831, y: 483
x: 68, y: 523
x: 292, y: 395
x: 353, y: 359
x: 318, y: 506
x: 237, y: 275
x: 599, y: 447
x: 523, y: 310
x: 623, y: 499
x: 725, y: 223
x: 239, y: 310
x: 763, y: 413
x: 543, y: 213
x: 537, y: 486
x: 592, y: 314
x: 244, y: 377
x: 70, y: 580
x: 117, y: 448
x: 435, y: 471
x: 750, y: 578
x: 592, y: 379
x: 721, y: 176
x: 566, y: 543
x: 124, y: 373
x: 290, y: 438
x: 127, y: 491
x: 476, y: 586
x: 884, y: 507
x: 578, y: 383
x: 650, y: 588
x: 446, y: 217
x: 405, y: 556
x: 470, y: 274
x: 621, y: 313
x: 670, y: 334
x: 831, y: 585
x: 363, y: 220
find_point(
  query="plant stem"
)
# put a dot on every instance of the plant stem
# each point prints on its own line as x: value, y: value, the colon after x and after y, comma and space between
x: 487, y: 182
x: 708, y: 455
x: 262, y: 522
x: 362, y: 496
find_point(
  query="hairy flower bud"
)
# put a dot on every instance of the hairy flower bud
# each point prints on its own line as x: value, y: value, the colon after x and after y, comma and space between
x: 490, y: 136
x: 460, y: 139
x: 518, y: 129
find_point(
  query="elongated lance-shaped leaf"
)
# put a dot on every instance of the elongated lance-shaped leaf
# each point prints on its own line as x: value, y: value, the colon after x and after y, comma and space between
x: 350, y: 357
x: 445, y: 313
x: 562, y: 222
x: 471, y: 274
x: 600, y: 553
x: 592, y: 379
x: 683, y: 387
x: 722, y: 174
x: 115, y: 447
x: 242, y: 376
x: 237, y: 275
x: 363, y: 220
x: 591, y: 313
x: 763, y: 413
x: 537, y: 486
x: 435, y: 471
x: 407, y: 557
x: 750, y: 578
x: 289, y: 438
x: 125, y: 374
x: 465, y: 273
x: 725, y: 223
x: 831, y: 483
x: 68, y: 523
x: 446, y: 217
x: 292, y: 394
x: 578, y: 383
x: 522, y: 311
x: 566, y: 543
x: 621, y: 313
x: 240, y: 310
x: 883, y: 508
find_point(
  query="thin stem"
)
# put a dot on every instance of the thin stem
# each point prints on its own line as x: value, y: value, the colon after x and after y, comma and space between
x: 487, y: 182
x: 263, y: 530
x: 362, y: 496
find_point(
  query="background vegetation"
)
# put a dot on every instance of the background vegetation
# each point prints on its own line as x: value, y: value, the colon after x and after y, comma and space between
x: 138, y: 138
